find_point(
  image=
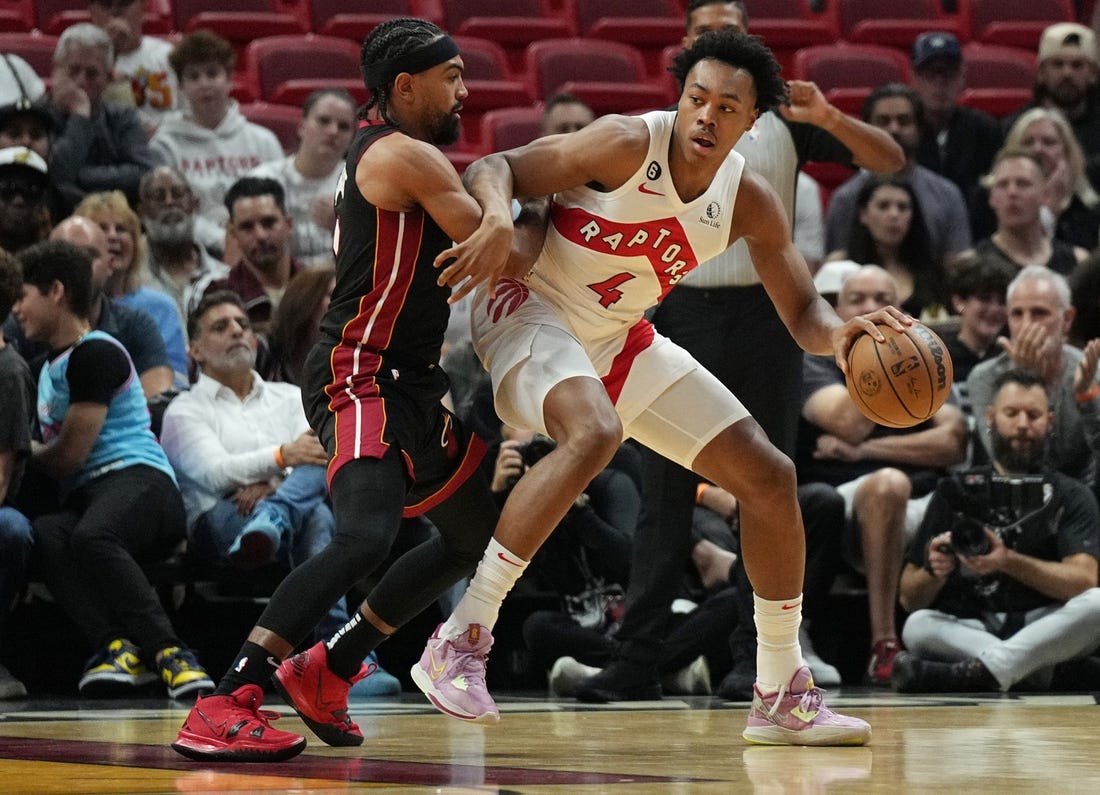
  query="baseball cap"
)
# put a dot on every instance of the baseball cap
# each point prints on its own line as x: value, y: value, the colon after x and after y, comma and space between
x: 936, y: 44
x: 25, y: 107
x: 1059, y: 36
x: 831, y: 276
x: 28, y: 163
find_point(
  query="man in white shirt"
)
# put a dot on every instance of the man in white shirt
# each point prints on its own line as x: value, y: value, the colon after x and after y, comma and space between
x: 232, y: 438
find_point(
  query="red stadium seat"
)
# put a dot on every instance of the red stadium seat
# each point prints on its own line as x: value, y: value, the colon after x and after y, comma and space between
x: 351, y: 19
x: 1016, y: 24
x: 247, y: 19
x: 847, y: 73
x: 283, y: 120
x: 649, y: 25
x: 287, y: 69
x: 16, y: 16
x: 789, y: 25
x: 570, y: 64
x: 897, y: 23
x: 999, y: 80
x: 35, y: 48
x: 507, y: 128
x: 513, y: 24
x: 490, y: 83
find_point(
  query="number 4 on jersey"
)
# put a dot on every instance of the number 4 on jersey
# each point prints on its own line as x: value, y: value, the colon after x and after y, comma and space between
x: 608, y: 290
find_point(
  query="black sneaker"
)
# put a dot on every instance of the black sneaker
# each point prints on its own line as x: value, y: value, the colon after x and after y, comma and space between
x: 738, y: 684
x: 914, y: 675
x: 620, y: 681
x: 116, y: 671
x: 182, y: 674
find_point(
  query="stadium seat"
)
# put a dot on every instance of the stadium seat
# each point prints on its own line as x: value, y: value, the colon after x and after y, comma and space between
x: 287, y: 69
x: 897, y: 23
x: 35, y: 48
x: 283, y: 120
x: 16, y: 16
x: 999, y: 80
x: 570, y: 64
x: 829, y: 176
x: 490, y: 83
x: 789, y: 25
x: 847, y: 73
x: 513, y: 24
x: 1016, y: 24
x: 354, y: 20
x: 649, y: 25
x: 248, y: 19
x: 507, y: 128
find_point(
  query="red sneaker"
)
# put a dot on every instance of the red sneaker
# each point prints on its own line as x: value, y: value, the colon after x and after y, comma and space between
x: 233, y: 729
x: 319, y: 696
x: 880, y: 668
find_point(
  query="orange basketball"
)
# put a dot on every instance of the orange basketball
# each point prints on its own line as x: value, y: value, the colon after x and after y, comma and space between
x: 903, y: 381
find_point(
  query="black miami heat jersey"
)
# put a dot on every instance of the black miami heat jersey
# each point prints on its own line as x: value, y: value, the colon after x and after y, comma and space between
x: 374, y: 376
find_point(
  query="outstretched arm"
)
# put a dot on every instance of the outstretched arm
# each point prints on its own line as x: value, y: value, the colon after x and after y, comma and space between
x: 872, y: 148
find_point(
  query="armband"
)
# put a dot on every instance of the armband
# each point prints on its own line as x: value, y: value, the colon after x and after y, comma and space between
x: 279, y: 461
x: 1089, y: 395
x: 700, y: 490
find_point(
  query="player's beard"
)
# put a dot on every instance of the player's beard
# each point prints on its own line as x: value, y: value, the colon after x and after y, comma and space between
x: 1027, y: 459
x: 446, y: 129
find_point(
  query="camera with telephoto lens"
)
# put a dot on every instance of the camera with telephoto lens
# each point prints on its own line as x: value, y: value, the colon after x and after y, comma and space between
x: 535, y: 449
x: 982, y: 499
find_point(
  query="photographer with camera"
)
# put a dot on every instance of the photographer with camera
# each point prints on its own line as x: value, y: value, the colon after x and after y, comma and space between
x: 1009, y: 591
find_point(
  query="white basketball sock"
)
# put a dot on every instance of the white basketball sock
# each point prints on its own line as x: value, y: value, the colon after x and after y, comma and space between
x: 497, y: 572
x: 778, y: 653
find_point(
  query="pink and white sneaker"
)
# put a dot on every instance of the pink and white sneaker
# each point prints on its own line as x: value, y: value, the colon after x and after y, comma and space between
x: 797, y: 715
x: 451, y: 673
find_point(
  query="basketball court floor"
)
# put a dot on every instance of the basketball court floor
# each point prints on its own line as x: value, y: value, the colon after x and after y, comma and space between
x: 927, y: 744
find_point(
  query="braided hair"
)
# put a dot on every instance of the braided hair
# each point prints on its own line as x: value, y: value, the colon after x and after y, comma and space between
x: 392, y: 38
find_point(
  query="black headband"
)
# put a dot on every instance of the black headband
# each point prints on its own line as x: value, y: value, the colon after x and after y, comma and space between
x: 381, y: 73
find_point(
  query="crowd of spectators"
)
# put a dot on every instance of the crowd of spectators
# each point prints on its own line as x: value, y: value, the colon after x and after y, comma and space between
x: 156, y: 248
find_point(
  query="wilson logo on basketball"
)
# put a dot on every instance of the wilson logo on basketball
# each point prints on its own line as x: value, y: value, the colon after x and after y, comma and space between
x: 510, y: 296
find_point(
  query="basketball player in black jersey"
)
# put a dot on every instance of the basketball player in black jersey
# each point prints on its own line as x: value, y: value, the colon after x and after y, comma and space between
x: 373, y: 398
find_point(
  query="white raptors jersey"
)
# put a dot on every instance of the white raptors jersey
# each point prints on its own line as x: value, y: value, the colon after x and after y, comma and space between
x: 609, y: 257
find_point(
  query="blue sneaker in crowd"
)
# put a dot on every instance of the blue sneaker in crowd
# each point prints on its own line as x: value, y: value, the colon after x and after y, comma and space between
x: 380, y: 683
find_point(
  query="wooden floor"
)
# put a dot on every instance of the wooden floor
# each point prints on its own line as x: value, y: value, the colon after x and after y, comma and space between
x: 1046, y: 743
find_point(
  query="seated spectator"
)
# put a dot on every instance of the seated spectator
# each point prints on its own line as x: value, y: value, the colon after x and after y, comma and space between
x: 119, y: 501
x: 18, y: 80
x: 309, y: 176
x: 141, y: 61
x: 126, y: 284
x: 25, y: 123
x: 178, y: 264
x: 17, y: 406
x: 1001, y: 580
x: 134, y: 328
x: 564, y: 113
x: 1066, y: 83
x: 210, y: 142
x: 99, y: 144
x: 24, y: 191
x: 297, y: 324
x: 897, y: 109
x: 1039, y: 317
x: 1017, y: 185
x: 260, y: 228
x: 887, y: 230
x: 883, y: 474
x: 1070, y: 197
x: 956, y: 141
x: 978, y: 286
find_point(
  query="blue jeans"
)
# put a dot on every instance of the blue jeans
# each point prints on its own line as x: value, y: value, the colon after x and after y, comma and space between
x: 16, y: 544
x: 298, y: 511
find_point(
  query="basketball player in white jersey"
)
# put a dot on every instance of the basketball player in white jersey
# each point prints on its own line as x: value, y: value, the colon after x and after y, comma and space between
x: 637, y: 203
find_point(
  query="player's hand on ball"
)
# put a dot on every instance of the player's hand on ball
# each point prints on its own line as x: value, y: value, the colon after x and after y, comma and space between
x: 844, y: 337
